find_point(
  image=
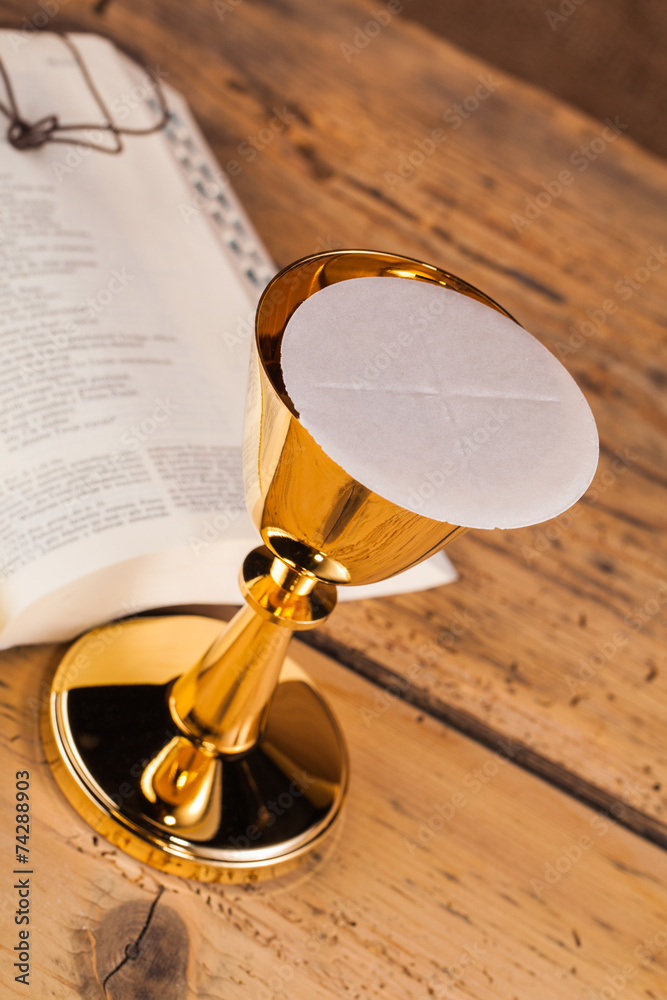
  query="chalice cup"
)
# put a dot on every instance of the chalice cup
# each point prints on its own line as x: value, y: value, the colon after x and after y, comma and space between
x: 208, y: 753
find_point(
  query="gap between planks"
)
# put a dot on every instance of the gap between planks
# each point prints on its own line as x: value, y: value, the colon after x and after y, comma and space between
x: 469, y: 725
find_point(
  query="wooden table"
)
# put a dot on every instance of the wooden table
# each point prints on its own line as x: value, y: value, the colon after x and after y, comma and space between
x: 507, y: 817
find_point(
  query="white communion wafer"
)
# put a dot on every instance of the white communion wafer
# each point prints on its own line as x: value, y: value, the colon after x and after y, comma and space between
x: 439, y: 403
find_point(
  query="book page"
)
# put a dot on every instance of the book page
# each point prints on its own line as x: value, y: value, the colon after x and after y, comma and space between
x: 119, y: 341
x: 127, y: 309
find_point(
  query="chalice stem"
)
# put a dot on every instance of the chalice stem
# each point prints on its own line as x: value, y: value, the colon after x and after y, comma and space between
x: 222, y: 701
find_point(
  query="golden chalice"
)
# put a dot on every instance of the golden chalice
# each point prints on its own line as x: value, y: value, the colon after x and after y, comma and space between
x: 212, y: 755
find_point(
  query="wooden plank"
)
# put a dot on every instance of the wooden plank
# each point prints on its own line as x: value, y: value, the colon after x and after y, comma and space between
x: 565, y: 655
x: 606, y: 59
x: 456, y: 874
x: 553, y: 638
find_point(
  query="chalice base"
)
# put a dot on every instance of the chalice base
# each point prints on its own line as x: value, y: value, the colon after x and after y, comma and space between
x: 265, y: 810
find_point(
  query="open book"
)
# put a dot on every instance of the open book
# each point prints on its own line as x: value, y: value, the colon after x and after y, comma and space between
x: 128, y: 294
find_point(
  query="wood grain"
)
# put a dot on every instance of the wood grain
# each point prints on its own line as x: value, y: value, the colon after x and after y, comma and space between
x: 554, y: 636
x: 456, y: 874
x: 604, y: 56
x: 546, y: 602
x: 551, y: 645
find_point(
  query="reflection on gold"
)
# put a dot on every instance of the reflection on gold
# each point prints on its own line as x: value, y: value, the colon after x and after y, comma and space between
x: 208, y: 754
